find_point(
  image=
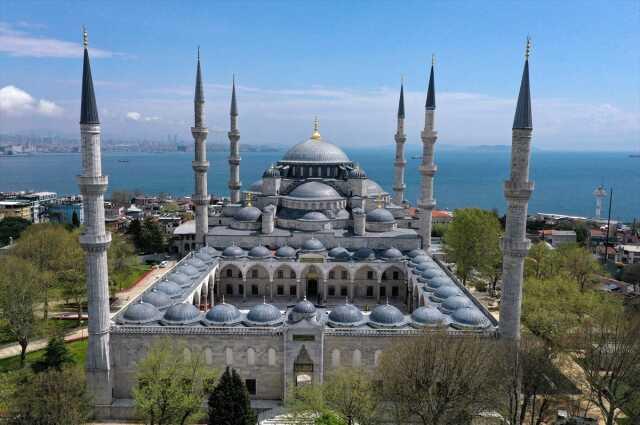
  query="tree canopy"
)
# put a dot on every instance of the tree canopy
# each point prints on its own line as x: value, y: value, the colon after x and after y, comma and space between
x: 229, y: 402
x: 11, y: 228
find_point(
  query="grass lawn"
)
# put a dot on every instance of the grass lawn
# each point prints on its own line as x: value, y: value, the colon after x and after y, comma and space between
x: 52, y: 327
x: 128, y: 277
x: 78, y: 350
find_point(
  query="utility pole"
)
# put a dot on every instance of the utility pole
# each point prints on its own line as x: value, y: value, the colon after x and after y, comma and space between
x: 606, y: 243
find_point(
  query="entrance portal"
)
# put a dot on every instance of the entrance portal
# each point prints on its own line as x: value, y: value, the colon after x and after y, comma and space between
x: 312, y: 288
x: 303, y: 368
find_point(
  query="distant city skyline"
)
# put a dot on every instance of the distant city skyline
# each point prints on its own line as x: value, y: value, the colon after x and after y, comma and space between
x: 341, y: 62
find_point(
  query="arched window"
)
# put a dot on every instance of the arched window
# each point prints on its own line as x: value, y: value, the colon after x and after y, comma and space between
x: 254, y: 274
x: 228, y: 354
x: 251, y: 357
x: 357, y: 358
x: 229, y: 273
x: 271, y: 357
x: 335, y: 358
x: 376, y: 358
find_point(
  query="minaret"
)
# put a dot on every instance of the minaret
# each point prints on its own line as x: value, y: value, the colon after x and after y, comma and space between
x: 94, y: 240
x: 428, y: 168
x: 200, y: 164
x: 399, y: 186
x: 517, y: 191
x: 234, y: 151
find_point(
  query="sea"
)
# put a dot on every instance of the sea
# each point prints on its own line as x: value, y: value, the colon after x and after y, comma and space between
x: 564, y: 181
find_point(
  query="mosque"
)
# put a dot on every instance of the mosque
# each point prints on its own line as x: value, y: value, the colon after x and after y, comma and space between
x: 312, y: 268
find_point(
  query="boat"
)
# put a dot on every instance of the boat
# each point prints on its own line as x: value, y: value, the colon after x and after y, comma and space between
x: 416, y: 157
x: 123, y: 160
x: 634, y: 155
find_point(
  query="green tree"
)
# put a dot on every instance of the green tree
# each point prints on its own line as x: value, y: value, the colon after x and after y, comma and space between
x: 152, y: 237
x: 121, y: 257
x: 46, y: 247
x: 75, y: 220
x: 52, y: 397
x: 19, y: 296
x: 135, y: 230
x: 578, y: 263
x: 11, y: 228
x: 229, y: 402
x: 56, y: 356
x: 471, y: 239
x: 171, y: 385
x: 631, y: 274
x: 542, y: 262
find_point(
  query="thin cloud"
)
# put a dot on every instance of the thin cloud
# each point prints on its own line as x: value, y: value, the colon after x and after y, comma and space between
x: 19, y: 43
x: 16, y: 102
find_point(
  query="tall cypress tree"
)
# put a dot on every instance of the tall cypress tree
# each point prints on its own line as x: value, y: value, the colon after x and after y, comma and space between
x: 229, y: 403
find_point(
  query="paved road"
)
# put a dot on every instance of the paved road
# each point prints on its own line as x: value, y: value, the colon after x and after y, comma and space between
x: 122, y: 299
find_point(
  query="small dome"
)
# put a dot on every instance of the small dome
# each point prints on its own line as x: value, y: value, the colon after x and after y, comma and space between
x: 427, y: 266
x: 140, y: 313
x: 305, y: 307
x: 312, y: 245
x: 264, y: 314
x: 415, y: 252
x: 181, y: 314
x: 346, y: 314
x: 271, y: 172
x: 170, y: 288
x: 314, y: 190
x: 387, y: 315
x: 339, y: 253
x: 210, y: 251
x: 444, y: 292
x: 157, y: 298
x: 392, y: 254
x: 364, y: 254
x: 421, y: 259
x: 469, y: 317
x: 440, y: 281
x: 259, y: 252
x: 286, y: 252
x: 432, y: 273
x: 247, y: 214
x: 314, y: 216
x: 357, y: 173
x: 380, y: 215
x: 342, y: 215
x: 180, y: 279
x: 197, y: 263
x: 188, y: 270
x: 204, y: 257
x: 233, y: 251
x: 427, y: 316
x: 222, y: 314
x: 357, y: 211
x: 451, y: 304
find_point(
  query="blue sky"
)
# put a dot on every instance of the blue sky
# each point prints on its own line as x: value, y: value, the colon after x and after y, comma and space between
x: 340, y: 60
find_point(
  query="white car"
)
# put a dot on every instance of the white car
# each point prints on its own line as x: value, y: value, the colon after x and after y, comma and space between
x: 163, y: 264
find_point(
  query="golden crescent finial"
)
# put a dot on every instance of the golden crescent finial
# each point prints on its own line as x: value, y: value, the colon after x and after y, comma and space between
x: 85, y: 37
x: 316, y: 129
x: 527, y: 52
x: 248, y: 198
x: 379, y: 201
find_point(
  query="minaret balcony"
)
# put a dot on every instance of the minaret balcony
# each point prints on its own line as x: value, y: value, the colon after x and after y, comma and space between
x: 92, y: 184
x: 234, y: 160
x: 200, y: 166
x: 516, y: 190
x: 199, y: 130
x: 515, y: 248
x: 200, y: 199
x: 428, y: 170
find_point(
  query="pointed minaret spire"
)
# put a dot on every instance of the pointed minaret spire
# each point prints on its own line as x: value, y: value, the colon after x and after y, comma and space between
x: 401, y: 101
x: 522, y: 118
x: 517, y: 191
x: 95, y: 240
x: 431, y: 92
x: 88, y: 108
x: 234, y: 149
x: 200, y: 164
x: 399, y: 163
x: 428, y: 169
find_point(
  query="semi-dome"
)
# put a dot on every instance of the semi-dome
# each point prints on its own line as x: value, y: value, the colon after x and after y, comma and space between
x: 427, y: 316
x: 139, y: 313
x: 451, y: 304
x: 222, y: 314
x: 247, y: 214
x: 286, y: 252
x: 380, y: 215
x: 264, y: 315
x: 346, y: 315
x: 233, y: 251
x: 444, y: 292
x: 469, y: 318
x: 256, y: 186
x: 314, y: 216
x: 312, y: 245
x: 180, y: 279
x: 314, y: 190
x: 157, y: 298
x: 364, y: 253
x: 181, y: 314
x: 169, y: 287
x: 392, y: 254
x: 387, y: 315
x: 342, y: 214
x: 357, y: 173
x: 339, y: 253
x: 316, y: 151
x: 415, y: 252
x: 271, y: 172
x: 259, y: 252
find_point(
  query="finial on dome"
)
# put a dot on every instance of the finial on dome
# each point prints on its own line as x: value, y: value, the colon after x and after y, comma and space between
x: 346, y: 300
x: 264, y: 299
x: 387, y: 300
x: 379, y: 201
x: 85, y: 37
x: 527, y: 51
x: 316, y: 129
x: 223, y: 299
x: 248, y: 198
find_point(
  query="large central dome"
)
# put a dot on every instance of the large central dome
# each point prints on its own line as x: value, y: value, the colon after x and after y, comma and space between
x: 315, y: 150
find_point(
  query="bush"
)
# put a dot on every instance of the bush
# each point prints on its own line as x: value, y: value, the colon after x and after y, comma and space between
x: 481, y: 286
